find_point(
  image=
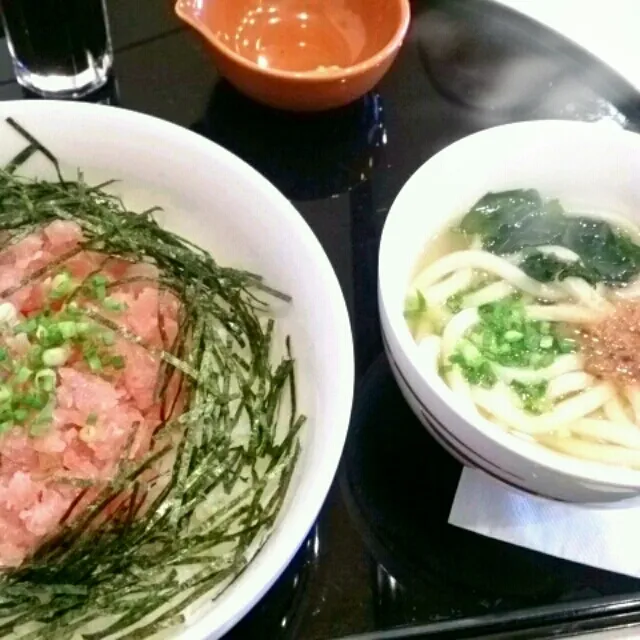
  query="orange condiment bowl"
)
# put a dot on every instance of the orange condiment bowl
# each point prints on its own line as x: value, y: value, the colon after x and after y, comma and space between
x: 301, y: 55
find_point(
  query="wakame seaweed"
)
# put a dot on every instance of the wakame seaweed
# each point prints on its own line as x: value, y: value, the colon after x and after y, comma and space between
x: 520, y: 221
x: 124, y: 572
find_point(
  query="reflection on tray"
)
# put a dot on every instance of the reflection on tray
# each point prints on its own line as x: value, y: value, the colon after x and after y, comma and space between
x: 399, y: 486
x: 279, y: 613
x: 307, y: 156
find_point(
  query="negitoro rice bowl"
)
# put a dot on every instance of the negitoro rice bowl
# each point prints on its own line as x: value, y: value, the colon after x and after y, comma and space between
x: 150, y: 420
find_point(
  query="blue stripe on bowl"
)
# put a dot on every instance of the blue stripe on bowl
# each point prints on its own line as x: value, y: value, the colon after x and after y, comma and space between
x: 453, y: 445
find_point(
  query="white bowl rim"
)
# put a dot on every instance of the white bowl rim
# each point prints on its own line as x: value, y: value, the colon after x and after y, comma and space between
x: 583, y: 470
x: 275, y: 556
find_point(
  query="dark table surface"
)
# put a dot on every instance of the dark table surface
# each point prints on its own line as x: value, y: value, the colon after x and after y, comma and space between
x: 382, y: 561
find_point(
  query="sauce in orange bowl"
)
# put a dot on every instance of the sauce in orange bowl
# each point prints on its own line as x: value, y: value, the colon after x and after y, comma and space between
x: 299, y: 54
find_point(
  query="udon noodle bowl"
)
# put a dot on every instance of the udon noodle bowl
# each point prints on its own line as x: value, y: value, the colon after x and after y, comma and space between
x: 530, y: 311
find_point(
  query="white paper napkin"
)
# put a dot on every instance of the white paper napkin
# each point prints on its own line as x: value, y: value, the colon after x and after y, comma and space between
x: 604, y: 537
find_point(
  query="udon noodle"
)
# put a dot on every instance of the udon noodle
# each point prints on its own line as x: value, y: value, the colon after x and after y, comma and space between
x: 531, y: 314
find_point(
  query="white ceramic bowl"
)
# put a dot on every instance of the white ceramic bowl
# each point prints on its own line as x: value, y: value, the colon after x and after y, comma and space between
x: 590, y: 165
x: 226, y: 207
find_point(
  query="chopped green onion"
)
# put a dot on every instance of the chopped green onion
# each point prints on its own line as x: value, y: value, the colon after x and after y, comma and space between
x: 111, y: 304
x: 23, y: 374
x: 35, y: 400
x: 94, y: 362
x: 34, y: 356
x: 83, y: 328
x: 414, y: 309
x: 46, y: 379
x: 470, y: 352
x: 92, y: 418
x: 479, y: 372
x: 506, y: 336
x: 97, y: 287
x: 533, y: 395
x: 117, y: 362
x: 513, y: 336
x: 61, y: 285
x: 20, y: 415
x: 52, y: 337
x: 546, y: 342
x: 68, y: 329
x: 55, y: 357
x: 28, y: 327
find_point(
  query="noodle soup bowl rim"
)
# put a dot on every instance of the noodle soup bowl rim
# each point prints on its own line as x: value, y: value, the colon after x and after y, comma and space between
x: 522, y: 155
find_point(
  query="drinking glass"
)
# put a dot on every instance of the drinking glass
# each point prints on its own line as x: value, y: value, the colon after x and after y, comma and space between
x: 59, y: 48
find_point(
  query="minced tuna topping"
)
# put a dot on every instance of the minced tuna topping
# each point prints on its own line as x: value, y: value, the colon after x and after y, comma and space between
x: 611, y: 346
x: 77, y: 396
